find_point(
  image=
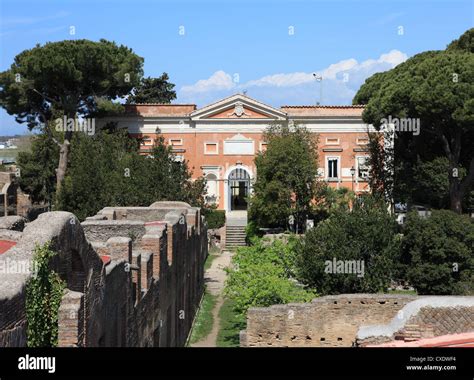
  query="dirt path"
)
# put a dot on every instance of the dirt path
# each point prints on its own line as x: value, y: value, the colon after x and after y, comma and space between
x: 215, y: 278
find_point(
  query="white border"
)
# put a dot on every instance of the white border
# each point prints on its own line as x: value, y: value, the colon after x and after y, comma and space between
x: 326, y: 168
x: 226, y: 183
x: 333, y: 143
x: 216, y: 143
x: 175, y: 138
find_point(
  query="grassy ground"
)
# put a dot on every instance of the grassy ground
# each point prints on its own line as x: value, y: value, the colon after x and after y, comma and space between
x: 204, y: 320
x: 210, y: 259
x: 230, y: 326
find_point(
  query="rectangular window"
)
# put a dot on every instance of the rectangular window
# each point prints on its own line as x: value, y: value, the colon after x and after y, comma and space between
x: 178, y: 158
x: 333, y: 168
x: 363, y: 167
x: 147, y: 142
x: 175, y: 142
x: 211, y: 148
x: 263, y: 146
x: 362, y: 141
x: 332, y: 141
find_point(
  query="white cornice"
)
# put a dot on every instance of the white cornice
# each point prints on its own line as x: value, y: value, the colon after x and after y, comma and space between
x: 223, y: 104
x: 229, y: 129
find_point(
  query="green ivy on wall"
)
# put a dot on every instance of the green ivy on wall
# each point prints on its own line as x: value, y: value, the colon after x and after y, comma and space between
x: 44, y: 292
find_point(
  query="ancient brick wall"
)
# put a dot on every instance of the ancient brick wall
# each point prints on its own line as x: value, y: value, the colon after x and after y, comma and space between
x: 427, y: 317
x: 330, y: 321
x: 123, y: 289
x: 358, y: 319
x: 12, y: 321
x: 76, y: 262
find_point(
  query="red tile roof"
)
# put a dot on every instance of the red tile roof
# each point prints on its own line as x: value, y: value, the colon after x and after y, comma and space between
x: 451, y: 340
x: 155, y: 223
x: 324, y: 110
x: 171, y: 110
x: 319, y: 106
x: 106, y: 259
x: 5, y: 245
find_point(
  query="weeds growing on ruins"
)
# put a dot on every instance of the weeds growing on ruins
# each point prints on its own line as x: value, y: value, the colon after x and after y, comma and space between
x: 44, y: 293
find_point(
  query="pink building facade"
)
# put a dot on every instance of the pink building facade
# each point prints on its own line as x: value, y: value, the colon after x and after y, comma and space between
x: 220, y: 141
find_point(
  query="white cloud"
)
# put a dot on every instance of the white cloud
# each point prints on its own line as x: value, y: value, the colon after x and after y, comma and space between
x: 394, y: 57
x: 335, y: 68
x: 220, y: 80
x: 341, y: 81
x: 281, y: 80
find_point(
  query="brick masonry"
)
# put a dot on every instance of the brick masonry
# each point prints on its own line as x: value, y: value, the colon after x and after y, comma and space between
x: 134, y: 276
x: 424, y: 318
x: 330, y: 321
x: 357, y: 319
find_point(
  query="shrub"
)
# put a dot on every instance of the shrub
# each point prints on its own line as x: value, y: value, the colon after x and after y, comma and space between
x: 438, y: 253
x: 252, y: 232
x: 43, y: 297
x: 214, y: 218
x: 263, y: 275
x: 366, y: 234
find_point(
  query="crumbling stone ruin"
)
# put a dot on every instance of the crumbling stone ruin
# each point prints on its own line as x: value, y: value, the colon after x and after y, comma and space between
x: 424, y: 318
x: 357, y: 320
x: 134, y: 275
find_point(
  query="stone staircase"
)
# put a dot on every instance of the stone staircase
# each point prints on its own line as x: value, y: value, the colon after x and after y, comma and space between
x: 235, y: 229
x: 234, y: 236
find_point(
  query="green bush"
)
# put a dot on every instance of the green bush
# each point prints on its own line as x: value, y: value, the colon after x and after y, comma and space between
x: 367, y: 234
x: 43, y: 297
x: 263, y: 275
x: 438, y: 253
x: 251, y: 232
x: 215, y: 218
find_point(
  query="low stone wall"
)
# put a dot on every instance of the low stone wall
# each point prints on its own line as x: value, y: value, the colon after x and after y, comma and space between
x: 330, y: 321
x: 358, y: 320
x: 427, y: 317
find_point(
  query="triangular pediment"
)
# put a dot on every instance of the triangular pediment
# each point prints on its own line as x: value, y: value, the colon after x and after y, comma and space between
x: 238, y: 137
x: 238, y: 107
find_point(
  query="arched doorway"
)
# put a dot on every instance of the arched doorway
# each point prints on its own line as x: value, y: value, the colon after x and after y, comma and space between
x: 238, y: 189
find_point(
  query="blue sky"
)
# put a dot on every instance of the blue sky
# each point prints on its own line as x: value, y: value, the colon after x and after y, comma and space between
x: 268, y: 48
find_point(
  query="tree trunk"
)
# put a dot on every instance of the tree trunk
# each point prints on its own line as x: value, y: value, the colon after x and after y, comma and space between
x: 455, y: 195
x: 453, y: 153
x: 64, y: 149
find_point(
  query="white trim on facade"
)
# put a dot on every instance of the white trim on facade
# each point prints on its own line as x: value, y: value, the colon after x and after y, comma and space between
x: 326, y: 168
x: 171, y: 139
x: 216, y: 143
x: 226, y: 183
x: 337, y: 142
x: 222, y: 105
x: 356, y: 166
x: 239, y: 145
x: 252, y: 126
